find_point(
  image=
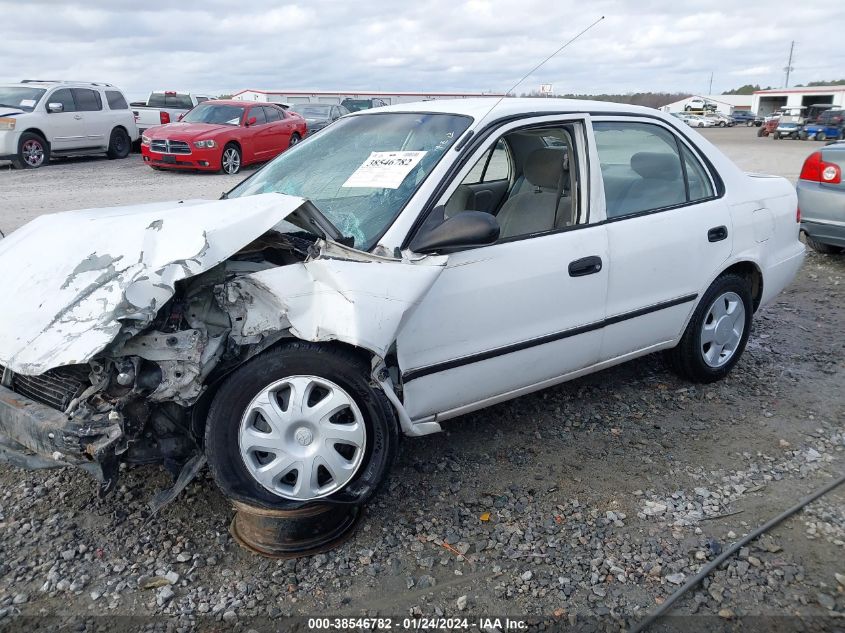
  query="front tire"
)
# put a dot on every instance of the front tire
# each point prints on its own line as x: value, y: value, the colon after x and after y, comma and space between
x: 301, y: 423
x: 33, y: 152
x: 717, y: 333
x: 230, y: 161
x: 821, y: 136
x: 119, y: 144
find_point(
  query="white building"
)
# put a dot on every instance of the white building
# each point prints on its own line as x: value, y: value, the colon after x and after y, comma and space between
x: 336, y: 97
x: 767, y: 101
x: 725, y: 104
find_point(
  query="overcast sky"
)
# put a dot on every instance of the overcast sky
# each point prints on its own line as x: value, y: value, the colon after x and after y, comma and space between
x: 222, y: 46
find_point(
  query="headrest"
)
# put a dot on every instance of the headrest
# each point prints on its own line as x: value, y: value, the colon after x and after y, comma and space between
x: 543, y: 167
x: 658, y: 165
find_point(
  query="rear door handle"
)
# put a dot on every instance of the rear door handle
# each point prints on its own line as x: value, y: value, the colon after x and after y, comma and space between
x: 585, y: 266
x: 717, y: 234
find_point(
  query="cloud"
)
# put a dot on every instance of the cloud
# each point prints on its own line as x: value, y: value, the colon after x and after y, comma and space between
x: 219, y: 46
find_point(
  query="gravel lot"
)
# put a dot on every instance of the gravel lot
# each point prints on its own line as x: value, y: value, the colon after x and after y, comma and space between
x: 589, y: 502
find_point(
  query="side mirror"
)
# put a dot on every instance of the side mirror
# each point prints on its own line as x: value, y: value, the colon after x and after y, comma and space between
x: 463, y: 230
x: 55, y: 107
x: 251, y: 121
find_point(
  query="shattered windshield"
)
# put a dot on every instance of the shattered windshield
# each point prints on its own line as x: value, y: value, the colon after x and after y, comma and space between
x: 362, y: 170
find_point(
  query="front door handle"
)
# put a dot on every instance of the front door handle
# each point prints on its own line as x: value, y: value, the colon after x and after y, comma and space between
x: 585, y: 266
x: 717, y: 234
x: 78, y: 117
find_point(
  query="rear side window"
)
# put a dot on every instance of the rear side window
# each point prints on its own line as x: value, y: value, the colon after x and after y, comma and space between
x: 272, y: 114
x: 170, y: 100
x: 645, y: 167
x: 64, y: 97
x: 116, y: 100
x: 87, y: 100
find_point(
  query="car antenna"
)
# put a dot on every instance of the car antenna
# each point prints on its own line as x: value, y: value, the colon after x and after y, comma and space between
x: 530, y: 72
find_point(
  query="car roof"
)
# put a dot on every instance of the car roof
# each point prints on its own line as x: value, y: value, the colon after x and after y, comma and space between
x: 478, y: 107
x: 45, y: 83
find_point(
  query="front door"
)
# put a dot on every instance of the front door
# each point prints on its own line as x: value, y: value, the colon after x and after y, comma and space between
x: 66, y: 129
x: 523, y: 312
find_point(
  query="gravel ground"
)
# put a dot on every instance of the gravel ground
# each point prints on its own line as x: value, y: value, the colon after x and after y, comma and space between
x: 590, y: 502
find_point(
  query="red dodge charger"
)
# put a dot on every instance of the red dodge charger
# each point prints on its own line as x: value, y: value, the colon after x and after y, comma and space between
x: 221, y: 135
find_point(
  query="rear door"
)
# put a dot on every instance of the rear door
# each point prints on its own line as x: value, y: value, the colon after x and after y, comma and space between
x: 669, y: 232
x: 66, y: 128
x: 98, y: 128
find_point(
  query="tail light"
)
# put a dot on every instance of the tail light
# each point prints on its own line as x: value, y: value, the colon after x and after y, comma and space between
x: 164, y: 117
x: 817, y: 170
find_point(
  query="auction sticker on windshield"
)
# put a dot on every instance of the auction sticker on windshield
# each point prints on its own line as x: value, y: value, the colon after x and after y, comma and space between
x: 384, y: 170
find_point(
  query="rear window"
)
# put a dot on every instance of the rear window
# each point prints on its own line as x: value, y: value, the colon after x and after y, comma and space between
x: 170, y: 100
x: 116, y: 100
x: 87, y: 100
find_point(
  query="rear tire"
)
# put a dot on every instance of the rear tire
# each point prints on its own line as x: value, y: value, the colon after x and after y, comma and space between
x: 717, y: 333
x: 229, y: 422
x: 119, y: 144
x: 821, y: 247
x: 294, y: 139
x: 33, y: 152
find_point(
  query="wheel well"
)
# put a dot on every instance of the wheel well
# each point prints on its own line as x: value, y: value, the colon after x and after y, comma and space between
x: 236, y: 144
x: 35, y: 130
x: 752, y: 272
x: 120, y: 127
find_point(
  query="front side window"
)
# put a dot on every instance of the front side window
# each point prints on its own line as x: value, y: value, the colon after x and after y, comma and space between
x: 20, y: 98
x: 87, y: 100
x: 215, y: 113
x: 65, y: 97
x: 116, y: 100
x: 361, y: 171
x: 258, y: 115
x: 640, y: 166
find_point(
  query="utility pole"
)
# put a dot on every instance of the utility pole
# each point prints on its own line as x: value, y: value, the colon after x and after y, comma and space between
x: 789, y: 67
x: 710, y: 89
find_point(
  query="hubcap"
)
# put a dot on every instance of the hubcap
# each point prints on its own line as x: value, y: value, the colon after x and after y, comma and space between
x: 722, y: 330
x: 302, y: 438
x: 33, y: 153
x: 231, y: 161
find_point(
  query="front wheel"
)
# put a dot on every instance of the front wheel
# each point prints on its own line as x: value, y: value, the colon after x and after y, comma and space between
x: 300, y: 423
x: 821, y: 136
x: 717, y: 333
x: 230, y: 163
x: 33, y: 152
x: 119, y: 144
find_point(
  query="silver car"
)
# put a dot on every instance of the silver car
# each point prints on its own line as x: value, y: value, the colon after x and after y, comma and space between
x: 821, y: 199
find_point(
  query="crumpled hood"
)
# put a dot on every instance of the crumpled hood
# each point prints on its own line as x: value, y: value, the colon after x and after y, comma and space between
x: 68, y: 279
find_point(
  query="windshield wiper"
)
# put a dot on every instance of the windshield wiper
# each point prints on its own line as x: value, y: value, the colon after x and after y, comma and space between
x: 311, y: 216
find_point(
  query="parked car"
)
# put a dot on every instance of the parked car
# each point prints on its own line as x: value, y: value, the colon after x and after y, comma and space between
x: 401, y: 268
x: 40, y: 119
x: 821, y: 198
x: 787, y: 129
x: 221, y: 135
x: 319, y: 115
x: 699, y: 104
x: 747, y: 117
x: 164, y: 107
x: 719, y: 119
x: 356, y: 105
x: 695, y: 120
x: 820, y: 132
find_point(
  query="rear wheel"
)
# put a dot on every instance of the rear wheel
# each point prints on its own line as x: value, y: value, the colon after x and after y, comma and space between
x: 820, y: 247
x: 119, y: 144
x: 33, y: 151
x: 301, y: 423
x: 294, y: 139
x: 717, y: 333
x: 231, y: 159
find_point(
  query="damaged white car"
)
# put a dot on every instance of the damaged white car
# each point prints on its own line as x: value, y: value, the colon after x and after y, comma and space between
x: 406, y: 266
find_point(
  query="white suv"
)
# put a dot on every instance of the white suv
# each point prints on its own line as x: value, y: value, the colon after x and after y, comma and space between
x: 43, y: 118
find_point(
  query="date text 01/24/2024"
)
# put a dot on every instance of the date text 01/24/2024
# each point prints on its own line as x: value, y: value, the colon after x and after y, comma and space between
x: 417, y: 623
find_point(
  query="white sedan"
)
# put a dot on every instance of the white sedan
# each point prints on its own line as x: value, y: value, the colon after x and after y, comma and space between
x: 406, y: 266
x: 695, y: 120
